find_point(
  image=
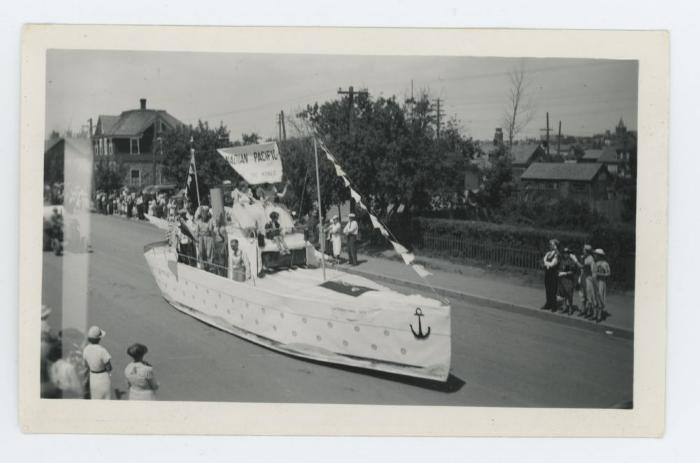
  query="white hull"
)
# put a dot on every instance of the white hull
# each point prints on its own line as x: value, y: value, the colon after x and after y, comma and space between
x: 289, y: 312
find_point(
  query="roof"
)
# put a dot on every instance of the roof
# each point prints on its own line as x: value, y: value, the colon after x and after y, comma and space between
x: 592, y: 154
x: 107, y: 123
x: 556, y: 171
x: 606, y: 155
x: 49, y: 144
x: 522, y: 152
x: 80, y: 147
x: 135, y: 122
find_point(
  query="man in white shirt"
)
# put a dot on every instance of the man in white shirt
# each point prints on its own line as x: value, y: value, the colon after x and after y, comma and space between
x: 350, y: 232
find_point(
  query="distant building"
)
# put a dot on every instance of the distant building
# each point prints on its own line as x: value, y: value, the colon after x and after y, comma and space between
x: 582, y: 181
x: 132, y: 140
x: 608, y: 156
x: 522, y: 155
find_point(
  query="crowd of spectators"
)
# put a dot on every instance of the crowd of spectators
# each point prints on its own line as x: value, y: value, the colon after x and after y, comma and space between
x: 76, y: 366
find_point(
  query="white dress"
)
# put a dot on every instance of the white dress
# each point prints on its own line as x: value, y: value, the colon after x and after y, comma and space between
x: 97, y: 359
x: 336, y: 241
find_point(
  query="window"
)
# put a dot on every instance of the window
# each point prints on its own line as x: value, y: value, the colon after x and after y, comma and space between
x: 135, y: 146
x: 135, y: 177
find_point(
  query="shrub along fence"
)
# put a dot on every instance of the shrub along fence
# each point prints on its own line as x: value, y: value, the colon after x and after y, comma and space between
x: 517, y: 246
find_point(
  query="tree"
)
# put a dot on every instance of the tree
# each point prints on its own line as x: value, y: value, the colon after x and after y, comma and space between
x: 109, y: 175
x: 519, y: 111
x: 250, y: 139
x: 212, y: 168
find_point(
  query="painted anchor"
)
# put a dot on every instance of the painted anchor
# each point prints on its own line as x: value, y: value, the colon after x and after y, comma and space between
x: 419, y: 334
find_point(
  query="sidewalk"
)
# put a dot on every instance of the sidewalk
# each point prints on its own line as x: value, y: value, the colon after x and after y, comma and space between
x: 476, y: 285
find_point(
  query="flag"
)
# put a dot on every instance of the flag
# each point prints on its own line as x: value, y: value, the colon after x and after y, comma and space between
x: 420, y: 270
x: 191, y: 188
x: 408, y: 258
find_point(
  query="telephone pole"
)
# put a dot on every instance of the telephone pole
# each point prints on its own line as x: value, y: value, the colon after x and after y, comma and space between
x: 350, y: 92
x: 284, y: 128
x: 547, y: 130
x: 439, y: 115
x: 559, y: 141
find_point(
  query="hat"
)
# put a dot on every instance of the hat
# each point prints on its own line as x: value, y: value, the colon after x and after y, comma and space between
x: 274, y: 215
x: 587, y: 247
x: 351, y: 215
x: 45, y: 311
x: 335, y: 217
x: 95, y: 333
x: 599, y: 251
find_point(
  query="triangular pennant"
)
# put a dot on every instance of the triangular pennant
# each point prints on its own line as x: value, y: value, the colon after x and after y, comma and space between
x: 346, y: 181
x: 399, y: 248
x: 408, y: 258
x: 355, y: 195
x: 420, y: 270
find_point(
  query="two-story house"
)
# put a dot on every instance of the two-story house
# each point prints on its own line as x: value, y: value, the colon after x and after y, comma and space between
x: 132, y: 140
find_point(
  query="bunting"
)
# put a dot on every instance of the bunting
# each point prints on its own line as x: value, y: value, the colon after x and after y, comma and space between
x: 407, y: 256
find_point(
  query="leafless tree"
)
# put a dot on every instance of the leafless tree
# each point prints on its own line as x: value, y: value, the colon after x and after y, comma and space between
x: 519, y: 111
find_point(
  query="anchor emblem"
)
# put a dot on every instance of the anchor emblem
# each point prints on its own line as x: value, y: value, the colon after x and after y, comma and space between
x: 419, y: 334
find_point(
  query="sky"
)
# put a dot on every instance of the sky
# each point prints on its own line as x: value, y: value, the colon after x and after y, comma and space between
x: 247, y: 91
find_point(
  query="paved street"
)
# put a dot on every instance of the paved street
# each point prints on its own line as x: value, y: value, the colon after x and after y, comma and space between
x: 499, y: 358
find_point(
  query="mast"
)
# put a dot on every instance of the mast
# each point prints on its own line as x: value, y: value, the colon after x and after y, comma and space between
x: 320, y: 221
x: 194, y: 163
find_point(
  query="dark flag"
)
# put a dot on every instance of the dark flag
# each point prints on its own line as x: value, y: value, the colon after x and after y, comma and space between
x: 191, y: 192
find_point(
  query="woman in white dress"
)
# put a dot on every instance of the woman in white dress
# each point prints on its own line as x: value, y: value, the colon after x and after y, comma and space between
x: 100, y: 364
x: 335, y: 233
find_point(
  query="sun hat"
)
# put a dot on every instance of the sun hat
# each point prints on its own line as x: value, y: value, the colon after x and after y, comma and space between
x: 45, y: 311
x: 95, y: 333
x: 599, y: 251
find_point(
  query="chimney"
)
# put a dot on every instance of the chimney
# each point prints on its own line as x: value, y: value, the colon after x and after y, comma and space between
x: 143, y: 103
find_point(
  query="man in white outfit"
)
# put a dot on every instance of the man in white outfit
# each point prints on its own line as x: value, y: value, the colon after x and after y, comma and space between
x: 350, y: 231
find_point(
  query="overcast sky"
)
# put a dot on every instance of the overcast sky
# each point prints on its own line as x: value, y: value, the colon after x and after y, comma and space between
x: 247, y: 92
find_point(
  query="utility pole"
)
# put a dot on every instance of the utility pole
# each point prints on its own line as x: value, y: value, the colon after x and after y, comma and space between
x: 279, y: 127
x: 351, y: 101
x: 559, y: 141
x: 156, y: 138
x: 284, y: 128
x: 411, y: 102
x: 547, y: 130
x: 439, y: 115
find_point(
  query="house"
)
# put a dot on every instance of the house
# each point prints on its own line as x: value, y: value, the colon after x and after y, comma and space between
x: 584, y: 181
x: 524, y: 154
x: 608, y: 155
x: 132, y: 140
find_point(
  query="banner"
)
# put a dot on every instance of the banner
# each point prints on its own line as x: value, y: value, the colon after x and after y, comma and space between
x: 255, y: 163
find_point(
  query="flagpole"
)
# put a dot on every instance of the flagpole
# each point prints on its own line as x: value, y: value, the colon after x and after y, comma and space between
x: 194, y: 163
x: 320, y: 220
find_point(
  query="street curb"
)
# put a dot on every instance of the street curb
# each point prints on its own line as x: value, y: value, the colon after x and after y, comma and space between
x: 502, y: 305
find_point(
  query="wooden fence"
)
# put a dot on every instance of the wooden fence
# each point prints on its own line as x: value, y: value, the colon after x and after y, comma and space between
x: 459, y: 248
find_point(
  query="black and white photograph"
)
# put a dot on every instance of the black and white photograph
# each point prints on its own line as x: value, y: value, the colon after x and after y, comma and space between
x: 339, y: 229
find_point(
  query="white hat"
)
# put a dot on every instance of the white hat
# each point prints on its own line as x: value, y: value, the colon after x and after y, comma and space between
x: 335, y: 217
x: 351, y: 215
x: 599, y: 251
x: 95, y: 333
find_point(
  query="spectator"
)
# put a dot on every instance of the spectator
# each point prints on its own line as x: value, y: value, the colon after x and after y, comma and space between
x: 63, y: 375
x: 567, y: 280
x: 551, y: 275
x: 139, y: 375
x: 350, y: 231
x: 334, y: 232
x: 273, y: 231
x: 602, y: 276
x: 588, y: 284
x: 100, y: 364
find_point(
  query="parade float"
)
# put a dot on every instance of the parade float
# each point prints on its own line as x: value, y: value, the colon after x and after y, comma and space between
x: 304, y: 307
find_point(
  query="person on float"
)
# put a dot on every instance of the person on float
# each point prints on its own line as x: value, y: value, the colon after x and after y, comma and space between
x: 274, y: 232
x: 239, y: 266
x: 204, y: 230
